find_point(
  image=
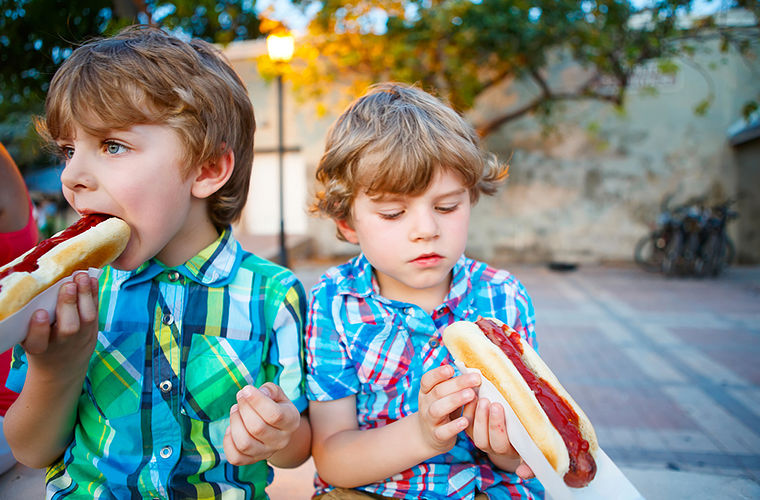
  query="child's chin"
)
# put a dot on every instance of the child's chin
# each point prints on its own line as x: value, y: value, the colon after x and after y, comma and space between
x: 124, y: 263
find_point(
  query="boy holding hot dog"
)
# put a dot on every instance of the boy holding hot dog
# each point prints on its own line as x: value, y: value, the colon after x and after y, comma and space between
x: 390, y: 416
x: 181, y: 374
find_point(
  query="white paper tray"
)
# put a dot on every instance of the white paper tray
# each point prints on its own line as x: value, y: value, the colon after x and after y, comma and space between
x: 13, y: 328
x: 609, y: 482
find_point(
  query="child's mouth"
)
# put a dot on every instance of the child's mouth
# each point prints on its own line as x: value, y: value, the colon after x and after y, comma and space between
x: 428, y: 259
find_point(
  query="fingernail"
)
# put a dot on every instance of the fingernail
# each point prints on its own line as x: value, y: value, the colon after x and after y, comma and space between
x: 70, y: 289
x: 233, y: 409
x: 40, y: 316
x: 265, y: 391
x: 245, y: 392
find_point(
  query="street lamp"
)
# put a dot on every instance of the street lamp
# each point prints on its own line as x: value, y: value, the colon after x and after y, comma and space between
x: 280, y: 48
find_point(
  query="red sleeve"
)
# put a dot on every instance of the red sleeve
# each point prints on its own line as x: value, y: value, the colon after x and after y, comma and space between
x: 11, y: 246
x: 14, y: 244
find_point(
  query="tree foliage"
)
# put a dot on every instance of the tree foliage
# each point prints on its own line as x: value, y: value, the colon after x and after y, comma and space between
x: 37, y: 35
x: 462, y: 48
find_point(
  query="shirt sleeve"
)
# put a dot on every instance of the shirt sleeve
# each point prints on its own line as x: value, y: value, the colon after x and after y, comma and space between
x: 17, y: 373
x: 285, y: 358
x: 330, y: 372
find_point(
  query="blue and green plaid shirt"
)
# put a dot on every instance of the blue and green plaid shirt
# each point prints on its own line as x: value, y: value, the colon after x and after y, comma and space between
x: 175, y: 346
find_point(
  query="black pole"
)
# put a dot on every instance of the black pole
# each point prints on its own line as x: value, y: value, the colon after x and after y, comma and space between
x: 281, y: 159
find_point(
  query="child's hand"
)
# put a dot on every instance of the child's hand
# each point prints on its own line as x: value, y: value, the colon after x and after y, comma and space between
x: 488, y: 431
x: 261, y: 424
x: 70, y: 340
x: 440, y: 400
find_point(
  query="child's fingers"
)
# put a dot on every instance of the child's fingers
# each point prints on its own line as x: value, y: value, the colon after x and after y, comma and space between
x: 450, y: 429
x: 239, y: 445
x: 435, y: 376
x: 480, y: 424
x: 446, y: 405
x: 252, y: 421
x: 38, y: 336
x: 468, y: 411
x: 88, y: 310
x: 273, y: 392
x: 524, y: 471
x: 448, y: 385
x: 66, y: 310
x: 497, y: 431
x: 270, y: 405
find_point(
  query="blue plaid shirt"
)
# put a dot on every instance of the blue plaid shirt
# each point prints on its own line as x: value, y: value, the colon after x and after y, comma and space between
x: 175, y: 346
x: 359, y: 343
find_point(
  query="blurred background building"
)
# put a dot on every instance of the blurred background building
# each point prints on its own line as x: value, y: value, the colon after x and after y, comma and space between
x: 583, y: 189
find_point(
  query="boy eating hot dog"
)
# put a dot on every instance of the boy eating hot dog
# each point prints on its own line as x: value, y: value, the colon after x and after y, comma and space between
x: 181, y: 375
x: 399, y: 175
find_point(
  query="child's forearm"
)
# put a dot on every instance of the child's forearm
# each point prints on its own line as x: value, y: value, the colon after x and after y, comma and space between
x: 39, y: 424
x: 297, y: 451
x: 352, y: 458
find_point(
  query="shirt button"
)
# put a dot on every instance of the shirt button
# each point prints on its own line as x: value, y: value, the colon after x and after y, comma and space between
x: 434, y: 343
x: 165, y: 386
x: 165, y: 452
x: 174, y: 276
x: 167, y: 319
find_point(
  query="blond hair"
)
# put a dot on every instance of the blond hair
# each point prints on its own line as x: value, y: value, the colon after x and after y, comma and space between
x: 394, y: 139
x: 145, y: 76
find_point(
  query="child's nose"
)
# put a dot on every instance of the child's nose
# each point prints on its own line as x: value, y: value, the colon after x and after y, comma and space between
x: 425, y: 226
x: 76, y: 176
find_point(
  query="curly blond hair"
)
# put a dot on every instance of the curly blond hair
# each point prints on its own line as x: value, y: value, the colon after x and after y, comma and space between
x: 394, y: 139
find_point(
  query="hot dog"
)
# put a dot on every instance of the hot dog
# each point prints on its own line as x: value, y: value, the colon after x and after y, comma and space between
x: 93, y: 241
x: 551, y: 417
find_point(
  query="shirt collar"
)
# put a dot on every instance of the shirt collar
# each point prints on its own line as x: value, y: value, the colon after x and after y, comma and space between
x: 359, y: 280
x: 214, y: 266
x: 459, y: 298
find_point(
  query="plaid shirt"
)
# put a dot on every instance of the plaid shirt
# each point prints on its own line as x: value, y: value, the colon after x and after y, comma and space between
x: 175, y: 346
x: 358, y: 343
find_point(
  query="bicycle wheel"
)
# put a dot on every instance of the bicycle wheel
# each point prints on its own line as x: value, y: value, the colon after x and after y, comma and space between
x: 722, y: 254
x: 672, y: 259
x: 647, y: 254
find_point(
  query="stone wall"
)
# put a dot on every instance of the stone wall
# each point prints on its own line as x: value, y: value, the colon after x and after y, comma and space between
x: 588, y: 187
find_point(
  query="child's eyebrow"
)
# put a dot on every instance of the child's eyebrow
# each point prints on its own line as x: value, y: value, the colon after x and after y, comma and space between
x: 388, y: 197
x: 454, y: 192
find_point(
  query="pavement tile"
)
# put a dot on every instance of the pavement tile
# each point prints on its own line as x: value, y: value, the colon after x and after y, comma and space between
x: 732, y: 435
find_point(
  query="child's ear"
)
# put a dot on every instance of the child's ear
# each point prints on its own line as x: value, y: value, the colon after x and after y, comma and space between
x: 213, y: 175
x: 347, y: 231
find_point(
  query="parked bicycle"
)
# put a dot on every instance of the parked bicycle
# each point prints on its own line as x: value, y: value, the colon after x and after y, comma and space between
x: 718, y: 250
x: 690, y: 239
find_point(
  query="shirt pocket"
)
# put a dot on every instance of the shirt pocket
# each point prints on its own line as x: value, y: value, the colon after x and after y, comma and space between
x: 217, y: 368
x: 383, y: 355
x: 115, y: 375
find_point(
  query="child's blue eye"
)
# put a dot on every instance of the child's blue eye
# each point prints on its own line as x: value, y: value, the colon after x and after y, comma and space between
x: 66, y: 152
x: 115, y: 148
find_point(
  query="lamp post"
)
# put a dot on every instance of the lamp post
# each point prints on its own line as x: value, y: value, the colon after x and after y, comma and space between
x: 280, y: 49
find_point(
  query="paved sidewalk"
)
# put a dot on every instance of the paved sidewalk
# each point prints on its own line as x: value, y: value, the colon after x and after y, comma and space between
x: 666, y: 369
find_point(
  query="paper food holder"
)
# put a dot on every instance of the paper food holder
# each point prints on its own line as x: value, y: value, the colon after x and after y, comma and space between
x: 13, y: 328
x: 609, y: 483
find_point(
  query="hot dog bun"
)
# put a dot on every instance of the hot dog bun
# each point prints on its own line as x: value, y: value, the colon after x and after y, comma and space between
x: 468, y: 344
x: 93, y: 241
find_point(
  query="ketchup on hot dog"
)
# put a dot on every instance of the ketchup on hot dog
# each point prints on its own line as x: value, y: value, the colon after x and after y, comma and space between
x: 561, y: 415
x: 29, y: 262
